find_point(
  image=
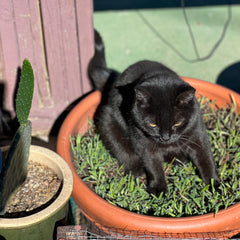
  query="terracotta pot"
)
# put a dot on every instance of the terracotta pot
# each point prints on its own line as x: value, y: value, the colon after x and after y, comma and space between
x: 41, y: 225
x: 108, y: 217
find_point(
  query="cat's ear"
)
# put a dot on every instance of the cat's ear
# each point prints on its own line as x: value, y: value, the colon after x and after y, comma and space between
x: 141, y: 96
x: 186, y: 97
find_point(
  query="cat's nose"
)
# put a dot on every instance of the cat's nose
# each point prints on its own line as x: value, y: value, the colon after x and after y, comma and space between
x: 165, y: 137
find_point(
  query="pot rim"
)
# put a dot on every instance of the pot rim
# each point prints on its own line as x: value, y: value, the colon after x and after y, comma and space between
x: 208, y: 221
x: 59, y: 202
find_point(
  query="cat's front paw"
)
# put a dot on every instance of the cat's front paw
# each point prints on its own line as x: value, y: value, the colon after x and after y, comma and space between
x: 216, y: 184
x: 157, y: 189
x: 137, y: 171
x: 216, y: 181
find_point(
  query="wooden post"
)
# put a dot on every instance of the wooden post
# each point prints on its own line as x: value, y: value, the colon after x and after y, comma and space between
x: 57, y: 38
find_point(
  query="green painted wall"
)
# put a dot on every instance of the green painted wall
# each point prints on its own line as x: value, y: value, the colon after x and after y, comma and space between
x: 164, y: 32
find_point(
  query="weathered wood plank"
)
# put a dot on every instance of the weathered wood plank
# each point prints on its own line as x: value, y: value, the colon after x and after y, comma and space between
x: 51, y: 17
x: 24, y: 39
x: 71, y: 50
x: 43, y: 92
x: 62, y: 49
x: 9, y: 47
x: 86, y: 41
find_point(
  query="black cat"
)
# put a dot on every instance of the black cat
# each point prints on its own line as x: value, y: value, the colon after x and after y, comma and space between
x: 149, y: 115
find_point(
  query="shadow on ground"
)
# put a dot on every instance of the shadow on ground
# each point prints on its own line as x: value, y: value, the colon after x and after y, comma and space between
x: 230, y: 77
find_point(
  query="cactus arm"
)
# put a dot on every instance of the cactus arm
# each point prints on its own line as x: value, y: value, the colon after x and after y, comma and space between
x: 25, y: 93
x: 14, y: 169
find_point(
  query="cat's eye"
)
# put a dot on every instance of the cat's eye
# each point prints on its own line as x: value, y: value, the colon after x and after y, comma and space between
x: 177, y: 124
x: 152, y: 125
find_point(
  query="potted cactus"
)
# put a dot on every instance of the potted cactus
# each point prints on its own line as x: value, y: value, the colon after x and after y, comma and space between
x: 19, y: 150
x: 14, y: 168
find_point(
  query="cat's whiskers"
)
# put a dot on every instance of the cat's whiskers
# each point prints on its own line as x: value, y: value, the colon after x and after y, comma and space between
x: 183, y: 144
x: 188, y: 140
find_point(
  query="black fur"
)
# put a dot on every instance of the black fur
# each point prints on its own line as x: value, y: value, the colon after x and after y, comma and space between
x: 149, y: 115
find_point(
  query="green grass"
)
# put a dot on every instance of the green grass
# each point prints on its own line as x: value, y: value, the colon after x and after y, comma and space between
x: 187, y: 194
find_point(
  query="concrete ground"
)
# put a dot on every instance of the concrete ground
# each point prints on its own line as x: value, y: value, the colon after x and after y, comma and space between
x: 200, y: 42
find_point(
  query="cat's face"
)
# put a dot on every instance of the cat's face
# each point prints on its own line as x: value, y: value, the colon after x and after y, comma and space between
x: 164, y: 114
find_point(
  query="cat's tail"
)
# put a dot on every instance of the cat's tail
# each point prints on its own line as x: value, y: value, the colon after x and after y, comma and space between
x: 97, y: 68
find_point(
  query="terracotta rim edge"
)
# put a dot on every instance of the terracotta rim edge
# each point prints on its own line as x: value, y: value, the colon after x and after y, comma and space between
x: 156, y: 223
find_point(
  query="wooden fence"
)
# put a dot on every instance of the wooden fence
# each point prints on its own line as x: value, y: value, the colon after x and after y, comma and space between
x: 57, y: 37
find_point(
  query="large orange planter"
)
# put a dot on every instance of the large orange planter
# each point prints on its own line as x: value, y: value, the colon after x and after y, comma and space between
x: 108, y: 217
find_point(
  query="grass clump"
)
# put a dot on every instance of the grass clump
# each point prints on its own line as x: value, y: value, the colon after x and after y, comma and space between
x: 187, y: 194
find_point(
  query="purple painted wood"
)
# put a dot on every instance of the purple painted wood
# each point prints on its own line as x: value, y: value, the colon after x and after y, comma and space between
x: 57, y: 37
x: 9, y: 50
x: 29, y: 39
x: 42, y: 91
x: 85, y: 42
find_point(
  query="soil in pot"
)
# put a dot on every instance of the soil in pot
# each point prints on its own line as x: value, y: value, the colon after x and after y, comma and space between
x: 40, y: 189
x: 223, y: 128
